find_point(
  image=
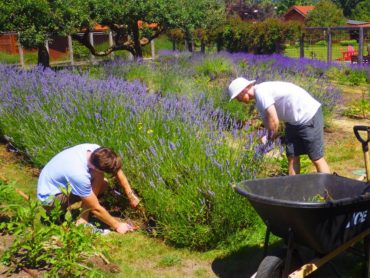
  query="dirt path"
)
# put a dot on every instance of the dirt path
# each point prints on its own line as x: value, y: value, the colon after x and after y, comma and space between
x: 344, y: 151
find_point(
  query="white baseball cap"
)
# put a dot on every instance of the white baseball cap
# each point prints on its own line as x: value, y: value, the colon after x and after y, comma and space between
x: 238, y: 85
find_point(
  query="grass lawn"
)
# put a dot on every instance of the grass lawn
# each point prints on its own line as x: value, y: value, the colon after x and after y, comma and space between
x: 317, y: 51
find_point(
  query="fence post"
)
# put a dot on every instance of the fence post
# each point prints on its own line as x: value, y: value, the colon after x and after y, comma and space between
x: 301, y: 46
x: 70, y: 48
x: 152, y: 46
x: 110, y: 36
x: 329, y: 53
x: 361, y: 45
x: 21, y: 53
x: 91, y: 40
x: 47, y: 46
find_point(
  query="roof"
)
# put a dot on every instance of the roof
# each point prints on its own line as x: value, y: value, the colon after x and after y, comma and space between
x: 303, y: 10
x: 100, y: 28
x: 357, y: 23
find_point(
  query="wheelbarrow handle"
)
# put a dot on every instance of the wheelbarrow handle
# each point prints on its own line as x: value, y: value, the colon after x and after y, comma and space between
x: 364, y: 142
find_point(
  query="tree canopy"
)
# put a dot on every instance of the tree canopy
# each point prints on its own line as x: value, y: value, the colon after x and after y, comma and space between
x: 37, y: 21
x: 347, y: 6
x: 362, y: 11
x: 325, y: 14
x: 122, y: 18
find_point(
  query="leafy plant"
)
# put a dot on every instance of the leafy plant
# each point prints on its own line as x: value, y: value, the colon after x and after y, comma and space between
x: 62, y: 250
x: 359, y: 108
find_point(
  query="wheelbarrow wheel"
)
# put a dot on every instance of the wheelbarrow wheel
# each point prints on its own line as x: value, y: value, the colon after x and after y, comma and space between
x: 270, y: 267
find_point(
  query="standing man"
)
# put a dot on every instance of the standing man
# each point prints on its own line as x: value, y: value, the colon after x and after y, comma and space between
x: 283, y: 101
x: 83, y: 167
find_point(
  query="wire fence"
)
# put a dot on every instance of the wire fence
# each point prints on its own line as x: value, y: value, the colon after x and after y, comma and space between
x: 337, y: 44
x: 62, y: 50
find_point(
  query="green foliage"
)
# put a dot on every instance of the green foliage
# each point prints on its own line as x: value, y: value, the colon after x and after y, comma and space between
x: 8, y: 196
x: 214, y: 68
x: 359, y: 108
x: 325, y: 14
x: 348, y: 76
x: 362, y: 11
x: 322, y: 43
x: 347, y: 6
x: 63, y: 249
x: 354, y: 77
x: 168, y: 261
x: 282, y: 160
x: 233, y: 36
x: 348, y: 42
x: 39, y: 20
x: 266, y: 37
x: 166, y: 14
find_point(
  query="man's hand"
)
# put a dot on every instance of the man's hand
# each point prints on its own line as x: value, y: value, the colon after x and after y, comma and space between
x: 133, y: 199
x: 123, y: 228
x: 264, y: 140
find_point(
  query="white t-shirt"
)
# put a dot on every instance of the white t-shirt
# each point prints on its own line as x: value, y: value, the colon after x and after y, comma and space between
x: 70, y: 165
x: 293, y: 104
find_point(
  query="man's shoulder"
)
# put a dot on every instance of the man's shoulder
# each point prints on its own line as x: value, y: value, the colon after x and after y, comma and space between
x: 87, y: 146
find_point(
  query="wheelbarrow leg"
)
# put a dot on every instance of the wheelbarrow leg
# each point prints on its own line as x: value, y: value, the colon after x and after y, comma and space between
x: 288, y: 254
x: 367, y: 255
x: 266, y: 244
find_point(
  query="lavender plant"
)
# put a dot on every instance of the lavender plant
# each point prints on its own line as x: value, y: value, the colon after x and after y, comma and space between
x: 181, y: 151
x: 177, y: 152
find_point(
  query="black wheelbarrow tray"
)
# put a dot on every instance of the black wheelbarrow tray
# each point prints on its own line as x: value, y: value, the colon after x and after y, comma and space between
x: 324, y: 212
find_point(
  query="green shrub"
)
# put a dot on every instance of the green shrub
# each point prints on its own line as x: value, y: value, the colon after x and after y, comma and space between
x: 321, y: 43
x: 266, y: 37
x: 348, y: 42
x: 359, y: 108
x: 215, y: 67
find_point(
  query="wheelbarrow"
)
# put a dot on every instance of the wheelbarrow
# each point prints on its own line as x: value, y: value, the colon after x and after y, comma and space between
x: 324, y: 212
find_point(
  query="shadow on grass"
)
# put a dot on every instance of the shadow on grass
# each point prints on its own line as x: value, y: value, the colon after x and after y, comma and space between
x: 242, y: 263
x: 245, y: 261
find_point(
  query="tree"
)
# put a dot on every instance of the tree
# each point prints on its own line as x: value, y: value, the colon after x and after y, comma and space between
x: 362, y: 11
x: 157, y: 16
x: 38, y: 21
x: 347, y: 6
x: 325, y: 14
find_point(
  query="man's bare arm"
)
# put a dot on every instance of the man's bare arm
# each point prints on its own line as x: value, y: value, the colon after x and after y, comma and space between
x: 134, y: 200
x: 271, y: 122
x: 92, y: 204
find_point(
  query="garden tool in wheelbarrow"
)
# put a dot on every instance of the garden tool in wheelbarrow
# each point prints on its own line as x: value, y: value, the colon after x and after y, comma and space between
x: 365, y: 145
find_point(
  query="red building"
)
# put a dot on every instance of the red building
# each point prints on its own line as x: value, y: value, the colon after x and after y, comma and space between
x: 297, y: 13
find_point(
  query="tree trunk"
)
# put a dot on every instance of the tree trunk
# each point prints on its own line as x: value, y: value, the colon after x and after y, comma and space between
x: 203, y: 47
x: 43, y: 56
x: 136, y: 38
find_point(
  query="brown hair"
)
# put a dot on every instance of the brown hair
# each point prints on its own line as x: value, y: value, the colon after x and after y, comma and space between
x: 106, y: 160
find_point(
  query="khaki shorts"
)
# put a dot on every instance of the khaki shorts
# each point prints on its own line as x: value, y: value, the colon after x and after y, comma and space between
x: 65, y: 201
x: 307, y: 138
